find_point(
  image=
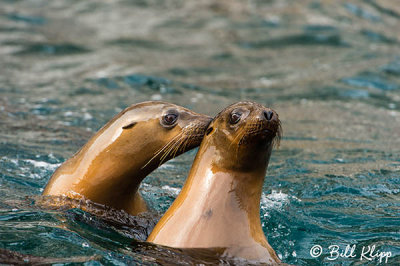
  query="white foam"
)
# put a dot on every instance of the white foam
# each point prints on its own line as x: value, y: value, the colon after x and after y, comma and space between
x: 275, y: 200
x: 166, y: 166
x: 26, y: 171
x: 68, y: 113
x: 87, y: 116
x: 40, y: 164
x: 43, y: 166
x: 173, y: 190
x: 6, y: 159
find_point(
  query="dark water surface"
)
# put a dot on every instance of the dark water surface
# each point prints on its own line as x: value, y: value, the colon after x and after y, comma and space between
x: 331, y: 69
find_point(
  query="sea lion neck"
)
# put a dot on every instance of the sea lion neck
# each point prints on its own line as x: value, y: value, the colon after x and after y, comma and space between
x: 214, y: 203
x: 223, y: 169
x: 211, y: 168
x: 110, y: 167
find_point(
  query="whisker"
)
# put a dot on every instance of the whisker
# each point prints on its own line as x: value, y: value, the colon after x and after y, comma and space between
x: 165, y: 147
x: 170, y: 148
x: 242, y: 135
x: 185, y: 142
x: 279, y: 133
x: 178, y: 146
x: 175, y: 147
x: 238, y: 135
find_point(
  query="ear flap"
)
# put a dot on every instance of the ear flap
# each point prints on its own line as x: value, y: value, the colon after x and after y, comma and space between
x: 209, y: 130
x: 130, y: 125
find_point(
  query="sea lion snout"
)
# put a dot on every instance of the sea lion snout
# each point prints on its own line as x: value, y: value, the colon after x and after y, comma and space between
x: 205, y: 121
x: 196, y: 129
x: 263, y: 123
x: 267, y: 115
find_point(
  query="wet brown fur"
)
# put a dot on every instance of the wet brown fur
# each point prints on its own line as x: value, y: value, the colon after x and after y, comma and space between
x: 218, y: 206
x: 110, y: 167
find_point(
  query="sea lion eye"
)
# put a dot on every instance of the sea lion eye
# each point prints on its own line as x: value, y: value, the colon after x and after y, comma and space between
x: 235, y: 117
x: 170, y: 119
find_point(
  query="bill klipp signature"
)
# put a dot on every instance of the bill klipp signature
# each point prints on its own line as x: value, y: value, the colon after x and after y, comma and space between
x: 366, y: 253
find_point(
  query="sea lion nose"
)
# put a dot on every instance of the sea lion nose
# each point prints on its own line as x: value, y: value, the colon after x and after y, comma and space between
x: 268, y: 115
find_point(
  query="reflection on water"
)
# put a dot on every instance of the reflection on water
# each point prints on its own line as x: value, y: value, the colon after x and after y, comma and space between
x: 331, y: 69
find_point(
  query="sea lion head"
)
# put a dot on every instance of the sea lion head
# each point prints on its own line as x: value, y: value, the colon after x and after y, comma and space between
x: 110, y: 167
x: 247, y: 131
x: 166, y: 129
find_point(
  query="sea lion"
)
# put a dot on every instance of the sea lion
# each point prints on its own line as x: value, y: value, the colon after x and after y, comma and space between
x: 219, y: 205
x: 111, y: 165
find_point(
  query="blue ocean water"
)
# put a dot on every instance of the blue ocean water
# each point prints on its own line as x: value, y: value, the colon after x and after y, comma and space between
x: 331, y: 69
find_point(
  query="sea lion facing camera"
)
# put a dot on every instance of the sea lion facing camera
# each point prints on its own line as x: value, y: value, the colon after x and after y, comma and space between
x: 219, y: 205
x: 111, y: 165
